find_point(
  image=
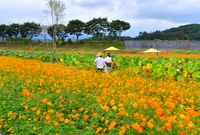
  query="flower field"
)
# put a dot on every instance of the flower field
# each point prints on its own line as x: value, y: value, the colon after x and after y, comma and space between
x: 142, y: 96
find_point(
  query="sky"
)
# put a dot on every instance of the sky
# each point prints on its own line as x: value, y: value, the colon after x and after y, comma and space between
x: 143, y: 15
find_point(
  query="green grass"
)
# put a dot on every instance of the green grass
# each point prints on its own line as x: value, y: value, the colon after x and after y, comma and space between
x: 90, y: 46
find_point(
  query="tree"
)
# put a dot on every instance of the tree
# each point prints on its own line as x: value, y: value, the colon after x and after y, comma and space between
x: 61, y: 31
x: 56, y: 10
x: 30, y: 29
x: 117, y: 26
x: 76, y: 27
x: 3, y: 33
x: 97, y: 26
x: 14, y: 30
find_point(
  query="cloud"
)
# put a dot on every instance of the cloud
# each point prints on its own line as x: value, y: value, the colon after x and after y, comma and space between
x: 143, y: 15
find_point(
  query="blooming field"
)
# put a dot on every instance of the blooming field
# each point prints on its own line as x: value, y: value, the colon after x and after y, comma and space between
x: 43, y: 98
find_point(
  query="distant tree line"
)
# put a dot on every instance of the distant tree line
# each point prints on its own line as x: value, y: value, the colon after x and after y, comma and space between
x: 100, y: 28
x: 185, y: 32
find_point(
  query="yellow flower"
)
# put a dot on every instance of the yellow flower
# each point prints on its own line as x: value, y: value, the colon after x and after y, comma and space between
x: 34, y: 128
x: 81, y: 109
x: 34, y: 108
x: 38, y: 112
x: 49, y: 103
x: 67, y: 121
x: 99, y: 129
x: 114, y: 108
x: 10, y: 113
x: 10, y: 129
x: 190, y: 124
x: 135, y: 105
x: 112, y: 102
x: 182, y: 116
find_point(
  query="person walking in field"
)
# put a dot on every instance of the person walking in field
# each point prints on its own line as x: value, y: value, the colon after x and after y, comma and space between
x: 108, y: 62
x: 100, y: 63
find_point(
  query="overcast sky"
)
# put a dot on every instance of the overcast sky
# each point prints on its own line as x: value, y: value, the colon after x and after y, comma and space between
x: 143, y: 15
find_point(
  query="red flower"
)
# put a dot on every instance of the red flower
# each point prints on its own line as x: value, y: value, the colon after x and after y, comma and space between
x: 182, y: 133
x: 30, y: 49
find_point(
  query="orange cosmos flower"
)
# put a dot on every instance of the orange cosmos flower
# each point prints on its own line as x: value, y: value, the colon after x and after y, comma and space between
x: 67, y: 121
x: 182, y: 133
x: 167, y: 126
x: 50, y: 111
x: 135, y: 105
x: 60, y: 97
x: 56, y: 123
x: 95, y: 114
x: 48, y: 117
x: 98, y: 129
x: 44, y: 100
x: 49, y: 103
x: 160, y: 112
x: 150, y: 125
x: 112, y: 125
x: 61, y: 119
x: 86, y: 117
x: 187, y: 119
x: 10, y: 113
x: 10, y: 129
x: 38, y: 112
x: 93, y: 126
x: 58, y: 91
x: 81, y: 109
x: 34, y: 108
x: 112, y: 102
x: 72, y: 122
x: 135, y: 126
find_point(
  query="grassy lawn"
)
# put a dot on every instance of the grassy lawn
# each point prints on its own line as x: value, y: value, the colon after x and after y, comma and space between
x: 85, y: 47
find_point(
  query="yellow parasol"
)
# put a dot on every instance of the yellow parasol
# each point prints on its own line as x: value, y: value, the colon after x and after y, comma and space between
x: 111, y: 48
x: 152, y: 50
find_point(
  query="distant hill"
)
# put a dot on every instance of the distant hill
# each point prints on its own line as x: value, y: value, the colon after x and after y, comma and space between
x: 184, y: 32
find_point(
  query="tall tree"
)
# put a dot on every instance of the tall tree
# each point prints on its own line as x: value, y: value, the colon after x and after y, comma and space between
x: 56, y: 10
x: 118, y: 26
x: 14, y: 29
x: 76, y: 27
x: 30, y: 29
x: 61, y: 31
x: 97, y: 27
x: 3, y: 33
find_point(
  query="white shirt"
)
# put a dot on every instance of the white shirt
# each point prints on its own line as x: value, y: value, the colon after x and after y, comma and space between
x: 99, y: 62
x: 108, y: 59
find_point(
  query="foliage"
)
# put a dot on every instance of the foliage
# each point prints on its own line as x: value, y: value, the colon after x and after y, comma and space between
x: 176, y: 68
x: 118, y: 26
x: 29, y: 29
x: 3, y: 33
x: 61, y: 31
x: 185, y: 32
x: 76, y: 27
x: 97, y: 27
x: 45, y: 98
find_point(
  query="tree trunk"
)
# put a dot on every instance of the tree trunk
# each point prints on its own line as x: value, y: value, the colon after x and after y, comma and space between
x: 54, y: 59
